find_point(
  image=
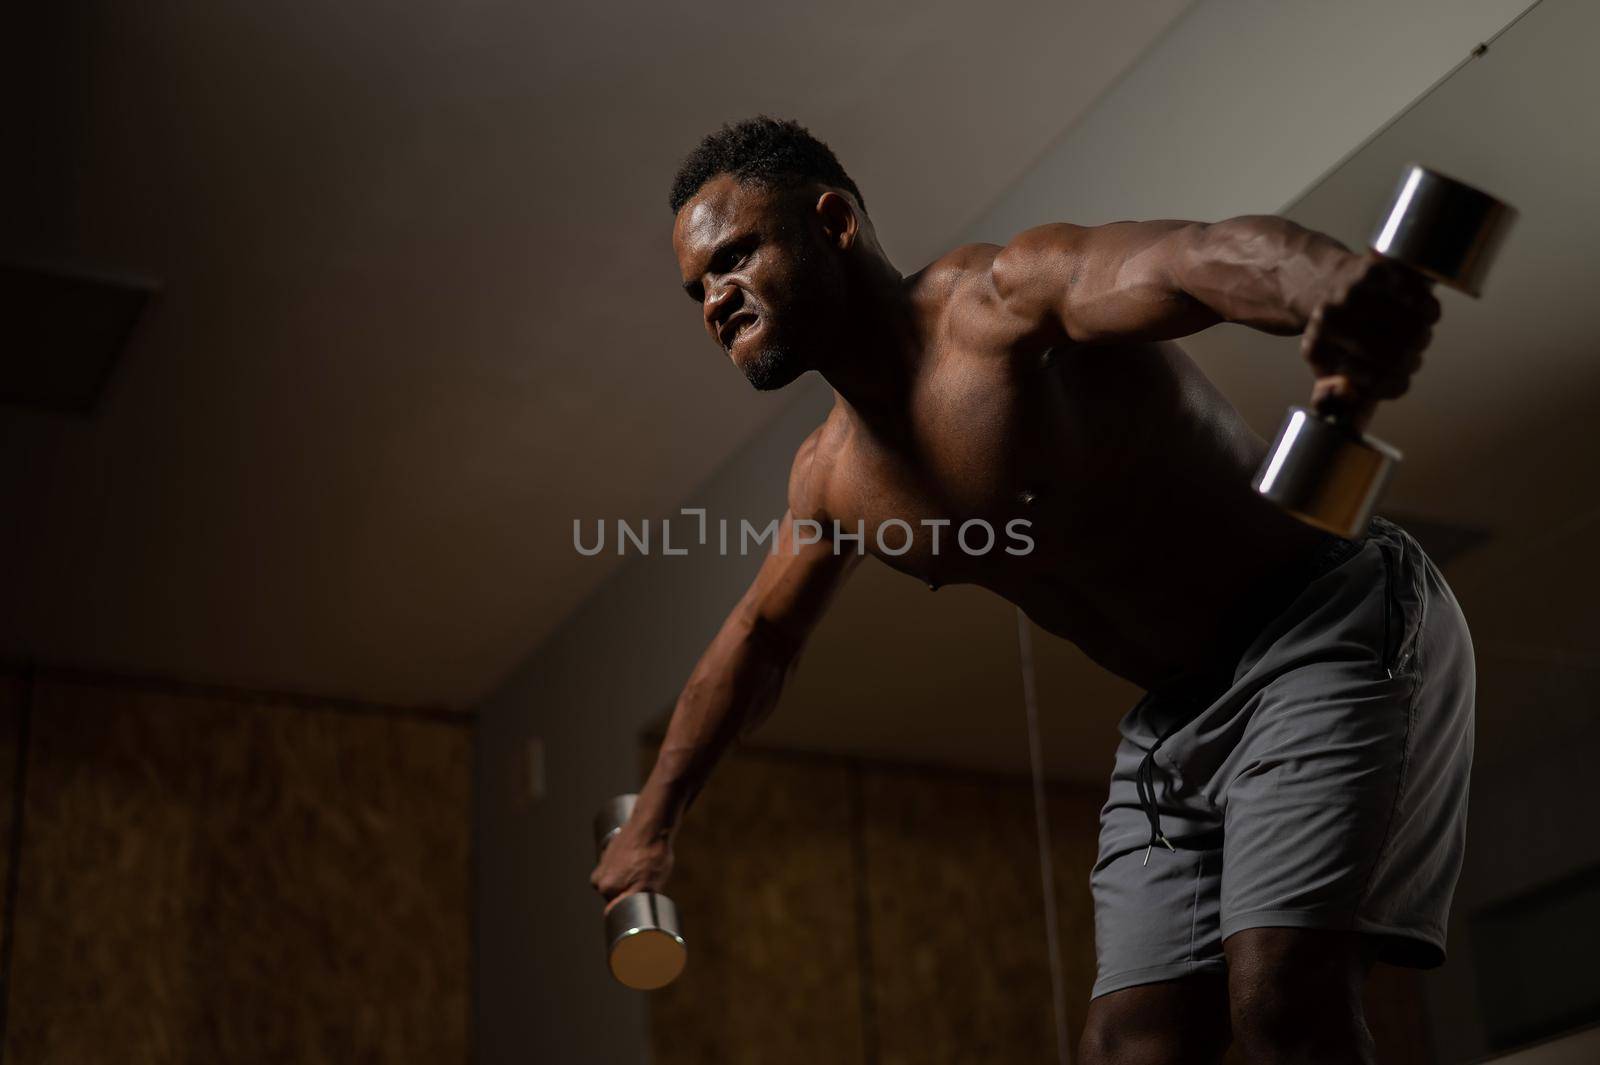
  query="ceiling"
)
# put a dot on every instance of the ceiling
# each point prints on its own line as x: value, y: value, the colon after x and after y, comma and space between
x: 1498, y: 434
x: 417, y: 309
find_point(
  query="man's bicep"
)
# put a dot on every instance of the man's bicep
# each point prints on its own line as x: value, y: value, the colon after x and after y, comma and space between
x: 1102, y: 284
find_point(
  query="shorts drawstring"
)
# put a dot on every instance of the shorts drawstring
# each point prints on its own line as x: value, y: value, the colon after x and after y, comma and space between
x: 1145, y: 781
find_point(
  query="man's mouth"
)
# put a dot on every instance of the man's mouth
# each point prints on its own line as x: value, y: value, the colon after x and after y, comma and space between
x: 734, y: 328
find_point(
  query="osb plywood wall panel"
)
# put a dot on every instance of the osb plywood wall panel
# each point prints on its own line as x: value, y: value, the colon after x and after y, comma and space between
x: 763, y: 881
x: 1075, y: 840
x: 959, y: 964
x: 924, y: 883
x: 210, y: 879
x: 13, y: 700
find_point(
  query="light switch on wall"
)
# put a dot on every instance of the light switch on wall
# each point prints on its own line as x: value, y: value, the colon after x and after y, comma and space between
x: 533, y: 770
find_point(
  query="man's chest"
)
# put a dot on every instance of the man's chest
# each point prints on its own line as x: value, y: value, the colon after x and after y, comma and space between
x: 974, y: 465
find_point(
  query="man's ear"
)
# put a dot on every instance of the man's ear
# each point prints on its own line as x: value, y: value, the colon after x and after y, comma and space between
x: 837, y: 217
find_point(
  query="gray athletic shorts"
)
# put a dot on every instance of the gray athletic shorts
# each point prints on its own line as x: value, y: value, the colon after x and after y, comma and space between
x: 1321, y: 783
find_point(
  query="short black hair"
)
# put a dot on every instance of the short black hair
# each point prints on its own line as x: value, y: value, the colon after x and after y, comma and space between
x: 773, y: 152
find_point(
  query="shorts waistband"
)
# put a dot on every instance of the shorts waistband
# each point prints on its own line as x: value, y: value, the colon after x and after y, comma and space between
x: 1335, y: 552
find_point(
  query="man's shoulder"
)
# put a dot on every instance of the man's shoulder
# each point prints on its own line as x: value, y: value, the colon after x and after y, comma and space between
x: 1002, y: 265
x: 964, y: 289
x: 813, y: 463
x: 965, y: 270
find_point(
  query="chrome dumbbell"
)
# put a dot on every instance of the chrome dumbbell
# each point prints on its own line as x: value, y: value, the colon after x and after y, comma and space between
x: 1321, y: 468
x: 644, y: 946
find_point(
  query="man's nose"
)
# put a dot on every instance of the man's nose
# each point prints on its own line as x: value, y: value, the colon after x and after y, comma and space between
x: 717, y: 298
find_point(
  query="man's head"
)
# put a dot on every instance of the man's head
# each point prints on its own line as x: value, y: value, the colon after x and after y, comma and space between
x: 768, y: 232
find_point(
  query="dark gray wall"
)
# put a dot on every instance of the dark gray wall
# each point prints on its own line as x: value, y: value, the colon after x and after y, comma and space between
x: 1530, y: 822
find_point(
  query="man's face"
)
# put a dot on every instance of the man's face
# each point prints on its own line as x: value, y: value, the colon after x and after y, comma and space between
x: 749, y: 258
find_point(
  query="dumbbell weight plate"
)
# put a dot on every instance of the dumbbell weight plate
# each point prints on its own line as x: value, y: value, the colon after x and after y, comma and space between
x: 1324, y: 475
x: 646, y: 951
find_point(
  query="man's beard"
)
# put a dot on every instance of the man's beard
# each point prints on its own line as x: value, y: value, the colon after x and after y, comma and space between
x: 773, y: 367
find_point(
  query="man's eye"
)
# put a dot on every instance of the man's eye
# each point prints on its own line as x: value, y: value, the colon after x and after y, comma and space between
x: 734, y: 257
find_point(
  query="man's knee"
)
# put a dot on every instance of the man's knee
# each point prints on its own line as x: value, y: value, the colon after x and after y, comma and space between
x: 1176, y: 1023
x: 1294, y: 996
x: 1109, y: 1044
x: 1289, y: 1025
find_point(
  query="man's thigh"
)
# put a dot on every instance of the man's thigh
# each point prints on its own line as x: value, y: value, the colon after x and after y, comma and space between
x: 1343, y: 793
x: 1310, y: 800
x: 1345, y: 802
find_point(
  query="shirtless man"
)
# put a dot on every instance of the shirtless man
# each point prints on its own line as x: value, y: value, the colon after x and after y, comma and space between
x: 1288, y: 801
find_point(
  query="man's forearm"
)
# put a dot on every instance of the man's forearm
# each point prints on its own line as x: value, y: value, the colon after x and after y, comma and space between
x: 1258, y: 270
x: 733, y: 687
x: 1160, y: 280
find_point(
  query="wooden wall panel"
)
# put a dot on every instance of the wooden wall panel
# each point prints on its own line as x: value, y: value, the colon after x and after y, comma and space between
x: 763, y: 881
x: 213, y: 879
x: 1075, y: 840
x: 13, y: 704
x: 959, y: 964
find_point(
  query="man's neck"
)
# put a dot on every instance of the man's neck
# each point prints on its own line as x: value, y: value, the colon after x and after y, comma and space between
x: 871, y: 369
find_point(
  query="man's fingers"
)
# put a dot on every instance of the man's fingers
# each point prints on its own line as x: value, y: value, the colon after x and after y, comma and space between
x: 1366, y: 363
x: 1369, y: 339
x: 1416, y: 292
x: 604, y: 885
x: 1331, y: 352
x: 1350, y: 386
x: 1386, y: 278
x: 613, y: 903
x: 1428, y: 307
x: 1365, y: 343
x: 1332, y: 388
